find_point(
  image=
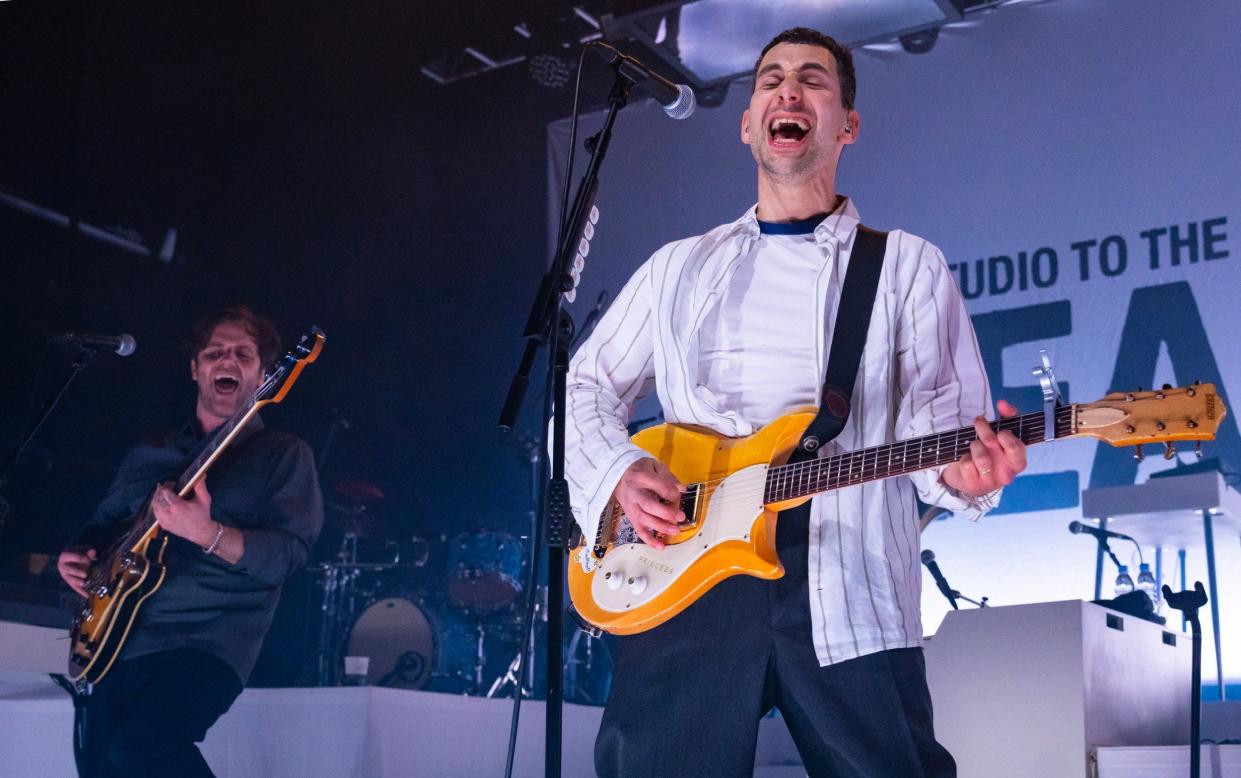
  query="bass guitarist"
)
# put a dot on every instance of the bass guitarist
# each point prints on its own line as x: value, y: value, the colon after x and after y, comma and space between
x: 244, y: 530
x: 731, y: 329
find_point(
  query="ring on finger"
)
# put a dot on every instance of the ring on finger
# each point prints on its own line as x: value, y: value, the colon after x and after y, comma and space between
x: 984, y: 472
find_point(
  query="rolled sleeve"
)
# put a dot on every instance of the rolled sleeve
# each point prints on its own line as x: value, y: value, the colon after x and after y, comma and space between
x: 289, y: 521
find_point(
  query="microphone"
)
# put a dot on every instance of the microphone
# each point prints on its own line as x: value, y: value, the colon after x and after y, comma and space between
x: 123, y: 344
x: 1077, y: 528
x: 677, y: 99
x: 928, y: 559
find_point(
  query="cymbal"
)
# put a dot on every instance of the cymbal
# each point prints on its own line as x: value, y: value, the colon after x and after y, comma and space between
x: 358, y: 491
x: 340, y: 519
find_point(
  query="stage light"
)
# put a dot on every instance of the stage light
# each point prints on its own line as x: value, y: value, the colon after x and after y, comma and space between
x: 710, y: 42
x: 920, y: 42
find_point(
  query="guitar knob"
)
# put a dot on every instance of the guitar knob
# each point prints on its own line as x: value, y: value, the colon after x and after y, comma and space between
x: 637, y: 584
x: 613, y: 580
x: 101, y: 590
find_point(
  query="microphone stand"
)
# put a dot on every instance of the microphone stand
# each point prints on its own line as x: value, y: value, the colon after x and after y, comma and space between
x: 980, y: 603
x: 1188, y: 602
x: 1104, y: 548
x: 80, y: 361
x: 549, y: 324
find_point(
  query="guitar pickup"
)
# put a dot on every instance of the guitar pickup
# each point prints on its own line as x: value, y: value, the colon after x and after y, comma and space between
x: 690, y: 501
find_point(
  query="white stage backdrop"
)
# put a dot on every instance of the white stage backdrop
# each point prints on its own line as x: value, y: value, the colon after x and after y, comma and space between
x: 1077, y: 162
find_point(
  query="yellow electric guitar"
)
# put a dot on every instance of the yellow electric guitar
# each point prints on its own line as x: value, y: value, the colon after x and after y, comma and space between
x: 736, y: 486
x: 133, y: 567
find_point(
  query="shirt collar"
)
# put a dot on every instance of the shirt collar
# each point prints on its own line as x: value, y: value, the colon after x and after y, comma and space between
x: 839, y: 225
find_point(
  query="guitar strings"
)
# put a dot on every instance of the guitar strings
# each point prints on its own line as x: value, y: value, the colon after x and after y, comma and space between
x: 788, y: 472
x: 833, y: 467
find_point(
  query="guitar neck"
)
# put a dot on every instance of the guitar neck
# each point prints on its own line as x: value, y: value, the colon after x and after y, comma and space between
x: 220, y: 439
x: 802, y: 479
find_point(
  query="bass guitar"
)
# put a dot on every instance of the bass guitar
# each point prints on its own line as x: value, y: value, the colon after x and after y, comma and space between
x: 736, y: 486
x: 133, y: 567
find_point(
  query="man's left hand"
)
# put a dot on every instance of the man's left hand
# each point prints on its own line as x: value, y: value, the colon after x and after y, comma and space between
x: 993, y: 460
x: 190, y: 519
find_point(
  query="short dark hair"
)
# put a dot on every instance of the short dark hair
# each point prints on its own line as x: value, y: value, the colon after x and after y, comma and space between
x: 256, y: 326
x: 809, y: 37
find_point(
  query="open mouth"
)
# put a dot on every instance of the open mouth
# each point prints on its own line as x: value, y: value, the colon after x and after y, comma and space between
x: 788, y: 131
x: 226, y: 384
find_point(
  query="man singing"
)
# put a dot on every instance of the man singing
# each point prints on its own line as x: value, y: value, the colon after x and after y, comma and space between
x: 244, y: 530
x: 732, y: 330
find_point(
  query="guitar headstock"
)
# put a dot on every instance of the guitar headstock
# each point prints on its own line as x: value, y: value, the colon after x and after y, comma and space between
x: 1156, y: 416
x: 283, y: 376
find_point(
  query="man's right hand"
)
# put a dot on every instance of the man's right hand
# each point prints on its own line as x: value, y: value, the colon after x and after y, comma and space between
x: 650, y: 495
x: 74, y: 565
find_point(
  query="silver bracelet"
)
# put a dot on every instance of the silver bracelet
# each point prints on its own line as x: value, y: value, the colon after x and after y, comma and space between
x: 215, y: 542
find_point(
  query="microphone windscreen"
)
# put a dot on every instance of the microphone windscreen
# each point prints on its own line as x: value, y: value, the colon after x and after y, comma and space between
x: 684, y: 105
x: 928, y: 556
x: 127, y: 345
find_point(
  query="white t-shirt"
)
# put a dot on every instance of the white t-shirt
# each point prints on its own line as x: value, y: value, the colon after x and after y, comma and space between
x: 758, y: 351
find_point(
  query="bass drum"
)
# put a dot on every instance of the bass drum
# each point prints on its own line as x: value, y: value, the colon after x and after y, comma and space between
x: 411, y: 646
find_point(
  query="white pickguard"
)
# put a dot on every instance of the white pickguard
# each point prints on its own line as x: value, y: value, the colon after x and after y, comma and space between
x: 632, y: 575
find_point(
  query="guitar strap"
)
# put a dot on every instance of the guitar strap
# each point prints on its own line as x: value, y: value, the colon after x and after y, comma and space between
x: 857, y: 302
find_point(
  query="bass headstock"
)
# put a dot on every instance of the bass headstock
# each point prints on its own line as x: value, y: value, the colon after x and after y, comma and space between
x: 1162, y: 415
x: 287, y: 370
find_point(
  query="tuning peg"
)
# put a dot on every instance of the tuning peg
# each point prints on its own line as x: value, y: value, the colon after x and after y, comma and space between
x: 1166, y: 387
x: 1137, y: 453
x: 1169, y: 451
x: 1198, y: 449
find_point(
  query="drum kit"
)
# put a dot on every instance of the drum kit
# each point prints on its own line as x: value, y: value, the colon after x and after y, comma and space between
x: 438, y: 614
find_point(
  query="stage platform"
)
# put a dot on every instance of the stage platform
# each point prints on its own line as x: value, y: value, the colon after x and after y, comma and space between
x: 351, y: 732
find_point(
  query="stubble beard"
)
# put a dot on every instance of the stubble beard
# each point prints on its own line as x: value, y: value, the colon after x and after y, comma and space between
x: 788, y: 171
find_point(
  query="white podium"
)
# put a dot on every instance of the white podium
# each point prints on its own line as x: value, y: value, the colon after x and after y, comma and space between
x: 1031, y: 690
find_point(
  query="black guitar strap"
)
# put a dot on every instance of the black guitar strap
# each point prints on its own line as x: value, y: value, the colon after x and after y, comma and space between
x: 857, y: 301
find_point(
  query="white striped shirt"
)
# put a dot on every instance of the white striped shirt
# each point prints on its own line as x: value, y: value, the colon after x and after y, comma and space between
x: 921, y: 373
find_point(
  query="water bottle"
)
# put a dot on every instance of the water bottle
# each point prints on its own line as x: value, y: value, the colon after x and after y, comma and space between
x: 1146, y: 582
x: 1124, y: 584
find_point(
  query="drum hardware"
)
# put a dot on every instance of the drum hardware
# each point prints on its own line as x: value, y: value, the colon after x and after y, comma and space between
x: 588, y: 668
x: 509, y: 678
x: 339, y: 601
x: 588, y: 664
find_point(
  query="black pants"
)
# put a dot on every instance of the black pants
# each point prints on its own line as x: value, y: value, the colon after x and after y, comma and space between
x: 145, y: 716
x: 687, y: 696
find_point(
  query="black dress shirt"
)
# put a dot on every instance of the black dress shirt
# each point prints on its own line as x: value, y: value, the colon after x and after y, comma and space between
x: 265, y: 485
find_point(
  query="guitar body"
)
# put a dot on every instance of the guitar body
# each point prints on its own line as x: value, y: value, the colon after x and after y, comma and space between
x: 730, y: 531
x: 99, y: 629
